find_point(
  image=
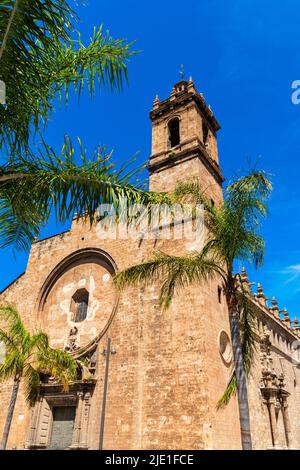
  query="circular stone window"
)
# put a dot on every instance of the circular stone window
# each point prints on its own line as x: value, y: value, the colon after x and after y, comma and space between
x: 225, y: 347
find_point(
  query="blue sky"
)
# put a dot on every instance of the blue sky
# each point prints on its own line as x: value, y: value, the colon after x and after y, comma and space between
x: 243, y: 56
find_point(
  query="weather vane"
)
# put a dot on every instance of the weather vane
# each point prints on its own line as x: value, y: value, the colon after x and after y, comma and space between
x: 181, y: 71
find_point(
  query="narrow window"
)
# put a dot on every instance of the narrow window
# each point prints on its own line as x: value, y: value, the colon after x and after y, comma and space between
x: 205, y: 132
x: 219, y: 294
x: 81, y: 312
x: 79, y: 305
x: 174, y: 134
x: 212, y: 203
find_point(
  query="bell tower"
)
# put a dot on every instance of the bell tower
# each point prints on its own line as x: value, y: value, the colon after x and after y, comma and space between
x: 184, y: 142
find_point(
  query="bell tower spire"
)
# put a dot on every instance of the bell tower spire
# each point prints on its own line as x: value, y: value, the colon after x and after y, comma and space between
x: 184, y: 141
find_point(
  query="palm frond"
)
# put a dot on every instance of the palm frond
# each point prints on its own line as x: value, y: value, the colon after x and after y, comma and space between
x: 16, y: 328
x: 248, y: 325
x: 7, y: 340
x: 39, y: 340
x: 232, y: 226
x: 174, y: 272
x: 235, y: 224
x: 29, y: 356
x: 42, y: 59
x: 251, y: 249
x: 29, y: 31
x: 13, y: 365
x: 32, y: 185
x: 19, y: 228
x: 58, y: 364
x: 192, y: 192
x: 32, y: 384
x: 103, y: 61
x: 24, y: 22
x: 256, y: 184
x: 230, y: 391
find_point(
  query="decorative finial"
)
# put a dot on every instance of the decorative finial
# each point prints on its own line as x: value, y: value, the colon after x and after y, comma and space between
x: 173, y: 94
x: 286, y: 317
x: 296, y: 326
x: 181, y: 72
x: 260, y: 296
x: 274, y: 302
x: 191, y: 87
x: 274, y: 309
x: 244, y: 275
x: 260, y: 293
x: 156, y: 102
x: 245, y: 280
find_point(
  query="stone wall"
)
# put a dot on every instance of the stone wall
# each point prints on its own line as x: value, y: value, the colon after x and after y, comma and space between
x: 167, y: 373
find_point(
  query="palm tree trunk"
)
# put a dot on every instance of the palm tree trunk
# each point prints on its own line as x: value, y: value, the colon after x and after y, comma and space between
x: 13, y: 12
x: 241, y: 379
x: 10, y: 412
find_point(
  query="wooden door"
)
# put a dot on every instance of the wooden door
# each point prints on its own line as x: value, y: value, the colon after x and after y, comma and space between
x: 62, y: 427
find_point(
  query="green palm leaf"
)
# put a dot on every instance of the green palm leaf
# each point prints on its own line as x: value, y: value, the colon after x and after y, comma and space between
x: 29, y: 355
x: 174, y: 272
x: 41, y: 59
x: 32, y: 185
x: 32, y: 384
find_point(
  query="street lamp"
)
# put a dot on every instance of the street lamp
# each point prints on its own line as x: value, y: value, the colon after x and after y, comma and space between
x: 106, y: 352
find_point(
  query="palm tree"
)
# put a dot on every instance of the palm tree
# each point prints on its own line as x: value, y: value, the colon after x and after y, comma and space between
x: 42, y: 58
x: 26, y: 357
x: 232, y: 236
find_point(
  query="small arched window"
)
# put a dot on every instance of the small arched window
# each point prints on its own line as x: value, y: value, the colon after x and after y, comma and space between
x: 79, y: 305
x: 174, y: 133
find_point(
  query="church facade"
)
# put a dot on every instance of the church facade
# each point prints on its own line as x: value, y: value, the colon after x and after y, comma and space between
x: 151, y: 378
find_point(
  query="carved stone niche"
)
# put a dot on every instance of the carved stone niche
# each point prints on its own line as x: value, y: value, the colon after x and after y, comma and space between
x: 274, y: 394
x: 79, y: 396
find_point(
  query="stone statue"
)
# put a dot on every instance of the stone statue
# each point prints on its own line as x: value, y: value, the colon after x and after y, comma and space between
x: 72, y: 344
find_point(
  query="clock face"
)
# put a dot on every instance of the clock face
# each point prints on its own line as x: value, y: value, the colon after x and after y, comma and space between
x: 79, y: 304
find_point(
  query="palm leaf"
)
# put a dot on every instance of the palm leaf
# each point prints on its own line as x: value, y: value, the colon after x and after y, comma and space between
x: 32, y: 185
x: 17, y: 330
x: 230, y: 391
x: 58, y: 364
x: 32, y: 382
x: 7, y: 340
x: 41, y: 60
x: 13, y: 365
x: 39, y: 340
x: 174, y: 272
x: 256, y: 183
x: 29, y: 356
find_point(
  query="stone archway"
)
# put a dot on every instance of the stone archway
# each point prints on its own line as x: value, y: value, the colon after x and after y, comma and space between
x: 91, y: 270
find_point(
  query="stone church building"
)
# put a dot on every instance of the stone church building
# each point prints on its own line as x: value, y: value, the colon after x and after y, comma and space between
x: 167, y: 369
